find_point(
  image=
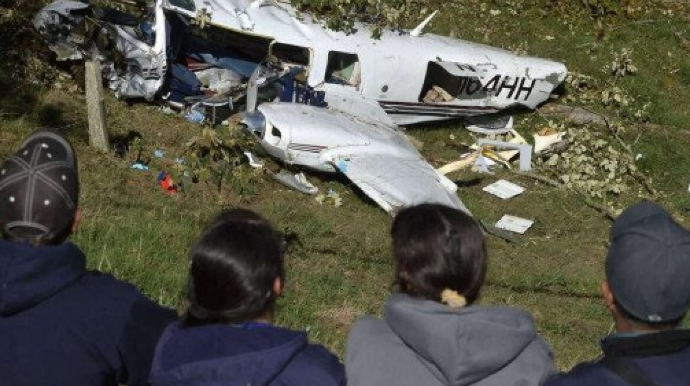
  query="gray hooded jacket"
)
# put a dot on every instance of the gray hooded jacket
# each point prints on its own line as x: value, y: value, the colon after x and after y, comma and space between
x: 425, y: 343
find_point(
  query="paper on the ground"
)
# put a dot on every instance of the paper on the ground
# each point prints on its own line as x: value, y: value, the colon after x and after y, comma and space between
x: 504, y: 189
x: 514, y: 224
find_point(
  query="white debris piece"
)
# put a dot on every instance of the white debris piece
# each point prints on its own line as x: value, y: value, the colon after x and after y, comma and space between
x: 525, y: 151
x: 545, y: 142
x: 482, y: 164
x: 504, y: 189
x: 297, y: 182
x: 514, y: 224
x: 254, y: 161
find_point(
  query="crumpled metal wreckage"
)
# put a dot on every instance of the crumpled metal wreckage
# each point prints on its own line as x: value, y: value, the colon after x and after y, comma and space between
x: 325, y: 100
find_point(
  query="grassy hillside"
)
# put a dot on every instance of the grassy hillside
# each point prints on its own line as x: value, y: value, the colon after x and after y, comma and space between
x: 341, y: 266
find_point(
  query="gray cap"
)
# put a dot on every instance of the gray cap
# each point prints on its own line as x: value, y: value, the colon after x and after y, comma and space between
x: 648, y: 264
x: 39, y: 188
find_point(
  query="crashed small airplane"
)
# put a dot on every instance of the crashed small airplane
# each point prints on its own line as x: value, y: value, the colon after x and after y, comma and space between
x: 340, y: 95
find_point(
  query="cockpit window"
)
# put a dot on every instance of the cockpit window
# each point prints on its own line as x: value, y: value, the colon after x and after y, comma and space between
x: 343, y: 68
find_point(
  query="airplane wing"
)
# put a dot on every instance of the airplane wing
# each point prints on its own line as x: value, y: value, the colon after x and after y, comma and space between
x: 376, y: 157
x: 394, y: 182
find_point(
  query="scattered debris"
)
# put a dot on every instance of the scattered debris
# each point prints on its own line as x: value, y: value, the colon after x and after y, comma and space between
x: 466, y: 161
x: 333, y: 195
x: 195, y: 115
x: 297, y: 182
x: 166, y: 183
x: 546, y: 140
x: 337, y: 201
x: 138, y: 165
x: 523, y: 149
x: 482, y: 164
x: 485, y: 154
x: 504, y: 189
x: 514, y: 224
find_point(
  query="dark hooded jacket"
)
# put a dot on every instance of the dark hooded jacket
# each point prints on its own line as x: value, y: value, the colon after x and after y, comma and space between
x: 422, y: 342
x: 63, y: 325
x: 251, y: 354
x: 663, y: 358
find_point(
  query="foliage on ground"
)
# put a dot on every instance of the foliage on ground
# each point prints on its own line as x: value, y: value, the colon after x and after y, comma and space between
x: 629, y: 62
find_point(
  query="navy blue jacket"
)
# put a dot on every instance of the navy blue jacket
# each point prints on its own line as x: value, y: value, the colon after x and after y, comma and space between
x: 252, y: 354
x: 664, y: 357
x: 62, y: 325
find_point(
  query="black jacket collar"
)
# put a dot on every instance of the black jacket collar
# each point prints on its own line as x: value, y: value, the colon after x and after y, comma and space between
x: 652, y: 344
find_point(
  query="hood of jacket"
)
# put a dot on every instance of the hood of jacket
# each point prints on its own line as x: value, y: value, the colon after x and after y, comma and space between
x: 30, y: 274
x: 460, y: 346
x: 253, y: 354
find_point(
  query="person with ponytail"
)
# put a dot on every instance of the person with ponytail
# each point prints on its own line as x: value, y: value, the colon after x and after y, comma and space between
x: 226, y: 336
x: 432, y: 331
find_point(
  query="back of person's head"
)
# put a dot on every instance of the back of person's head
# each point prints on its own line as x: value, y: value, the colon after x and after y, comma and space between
x: 648, y: 265
x: 235, y: 263
x: 39, y: 190
x: 438, y: 248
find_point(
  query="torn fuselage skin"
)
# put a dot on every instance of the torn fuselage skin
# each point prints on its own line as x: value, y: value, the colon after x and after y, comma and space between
x: 143, y: 66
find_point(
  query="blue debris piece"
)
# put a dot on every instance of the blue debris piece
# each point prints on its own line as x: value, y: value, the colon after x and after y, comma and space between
x: 195, y: 116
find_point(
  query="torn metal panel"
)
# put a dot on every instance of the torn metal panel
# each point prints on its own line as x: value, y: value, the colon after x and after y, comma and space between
x: 146, y: 64
x: 57, y: 24
x: 143, y: 69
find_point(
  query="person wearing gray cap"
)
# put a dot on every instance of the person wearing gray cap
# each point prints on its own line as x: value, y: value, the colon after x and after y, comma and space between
x: 647, y: 291
x: 59, y: 323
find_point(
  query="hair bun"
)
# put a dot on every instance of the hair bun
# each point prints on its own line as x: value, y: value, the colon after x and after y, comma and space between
x: 453, y: 299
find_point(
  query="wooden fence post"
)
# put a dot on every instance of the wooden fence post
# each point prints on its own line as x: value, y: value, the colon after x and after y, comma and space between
x: 98, y: 134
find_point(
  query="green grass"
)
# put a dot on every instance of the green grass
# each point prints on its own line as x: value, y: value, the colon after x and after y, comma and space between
x: 342, y: 268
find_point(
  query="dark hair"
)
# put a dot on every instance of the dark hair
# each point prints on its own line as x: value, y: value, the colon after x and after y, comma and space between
x: 435, y: 248
x: 234, y: 264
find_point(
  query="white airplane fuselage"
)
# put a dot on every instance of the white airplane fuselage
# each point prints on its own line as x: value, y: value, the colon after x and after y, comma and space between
x: 398, y: 69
